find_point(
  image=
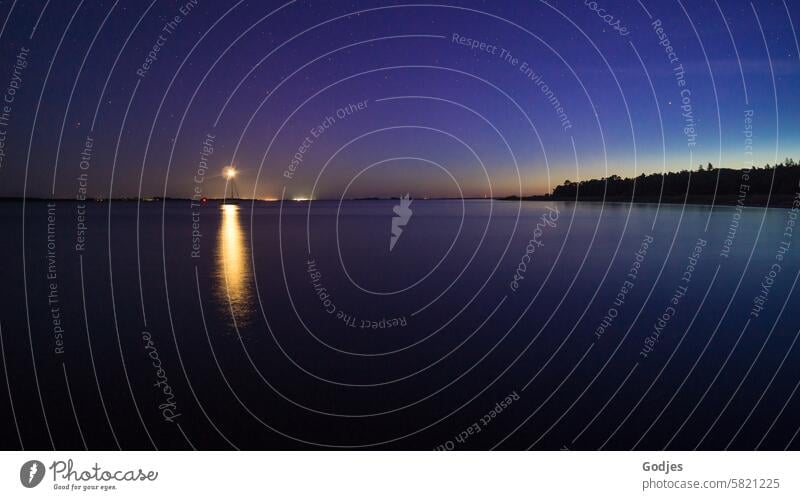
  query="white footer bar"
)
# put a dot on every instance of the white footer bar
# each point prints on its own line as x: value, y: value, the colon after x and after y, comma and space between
x: 400, y: 475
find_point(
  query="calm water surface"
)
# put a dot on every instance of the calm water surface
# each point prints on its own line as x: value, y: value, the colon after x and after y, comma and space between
x: 487, y: 324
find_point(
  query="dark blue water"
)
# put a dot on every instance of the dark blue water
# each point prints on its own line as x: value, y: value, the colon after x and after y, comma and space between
x: 488, y: 325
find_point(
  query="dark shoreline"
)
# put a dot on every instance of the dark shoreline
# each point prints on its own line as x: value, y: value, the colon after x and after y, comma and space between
x: 753, y: 201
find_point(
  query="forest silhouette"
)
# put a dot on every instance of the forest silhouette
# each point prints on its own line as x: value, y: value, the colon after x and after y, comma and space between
x: 773, y: 185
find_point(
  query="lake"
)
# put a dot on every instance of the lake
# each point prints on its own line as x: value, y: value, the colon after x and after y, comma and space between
x: 435, y: 324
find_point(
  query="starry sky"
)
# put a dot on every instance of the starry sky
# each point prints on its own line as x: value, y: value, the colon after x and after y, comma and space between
x: 380, y: 98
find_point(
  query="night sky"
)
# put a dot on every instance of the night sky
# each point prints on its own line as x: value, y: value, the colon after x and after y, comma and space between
x: 380, y: 98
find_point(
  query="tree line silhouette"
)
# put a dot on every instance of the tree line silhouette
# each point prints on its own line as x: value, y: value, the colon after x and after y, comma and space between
x: 752, y: 186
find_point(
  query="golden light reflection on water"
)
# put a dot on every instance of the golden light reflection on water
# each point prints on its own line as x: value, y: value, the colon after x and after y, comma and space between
x: 233, y: 266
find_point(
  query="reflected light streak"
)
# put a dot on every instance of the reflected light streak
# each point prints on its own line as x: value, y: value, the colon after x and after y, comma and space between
x: 233, y: 270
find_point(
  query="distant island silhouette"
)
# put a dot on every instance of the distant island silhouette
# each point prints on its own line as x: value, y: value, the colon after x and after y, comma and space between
x: 771, y: 185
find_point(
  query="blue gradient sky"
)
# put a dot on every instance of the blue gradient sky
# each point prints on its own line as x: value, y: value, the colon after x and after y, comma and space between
x: 437, y: 116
